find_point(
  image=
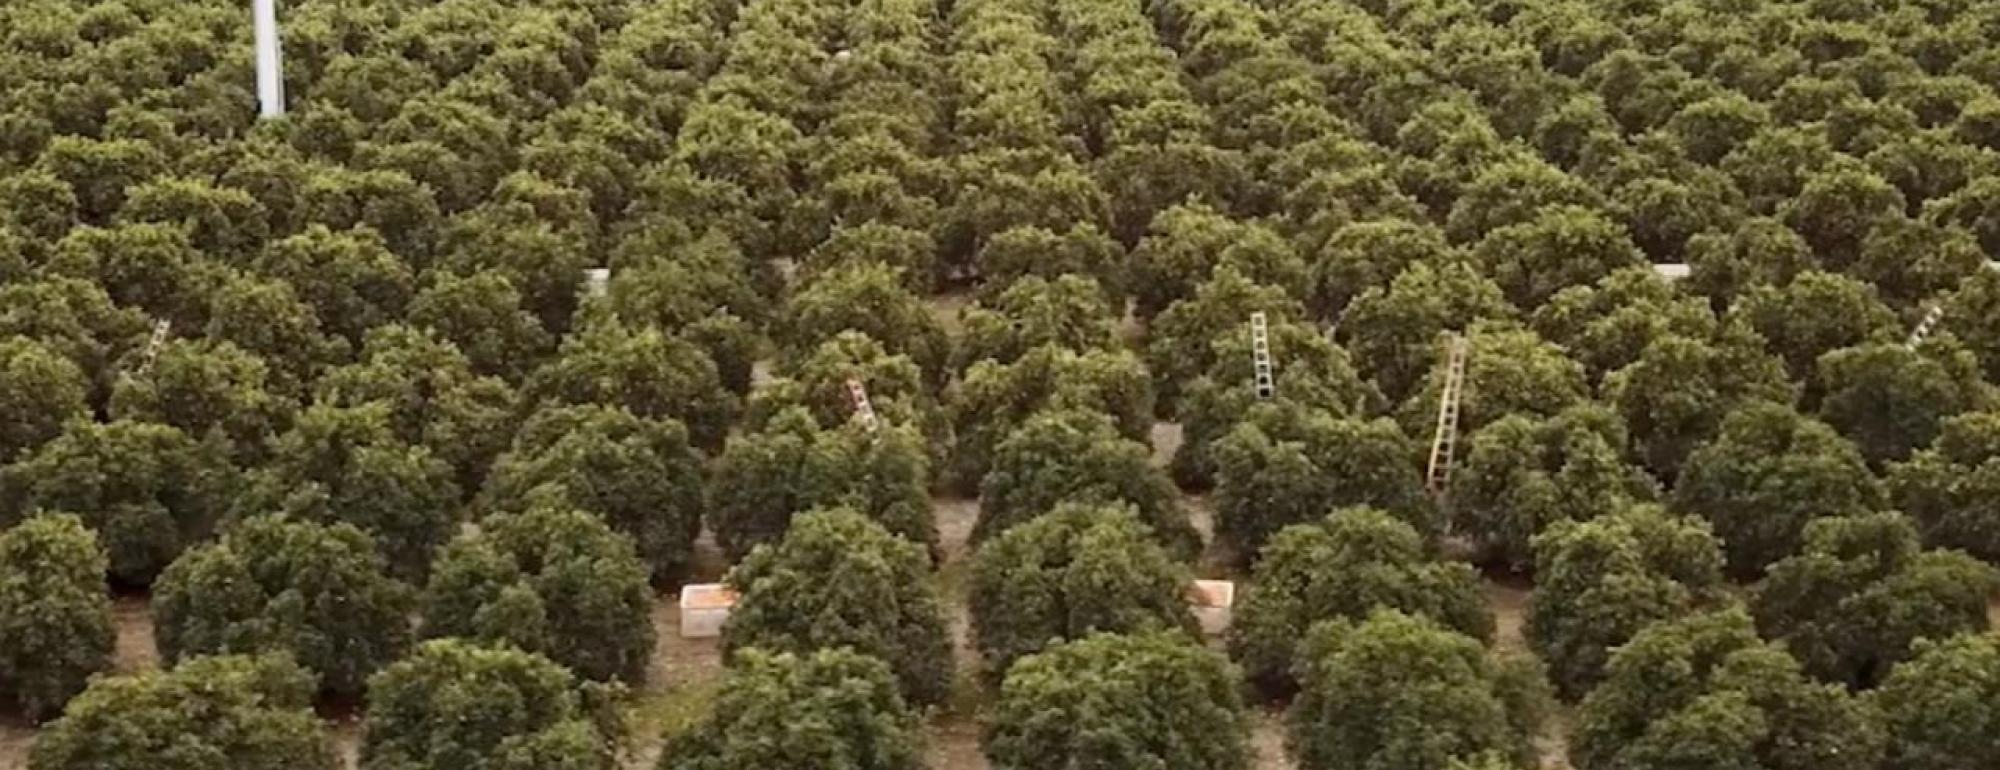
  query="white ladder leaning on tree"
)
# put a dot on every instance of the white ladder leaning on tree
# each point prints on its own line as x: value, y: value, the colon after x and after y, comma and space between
x: 1438, y: 476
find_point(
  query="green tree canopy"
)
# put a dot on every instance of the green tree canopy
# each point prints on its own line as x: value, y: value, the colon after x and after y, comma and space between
x: 1111, y: 700
x: 1075, y: 455
x: 435, y: 399
x: 1704, y: 691
x: 350, y: 279
x: 243, y: 713
x: 1942, y: 705
x: 39, y: 391
x: 1181, y: 340
x: 1307, y: 369
x: 207, y: 389
x: 866, y: 298
x: 1675, y: 397
x: 1608, y: 324
x: 792, y: 465
x: 551, y: 580
x: 455, y: 704
x: 1403, y: 691
x: 1067, y: 311
x: 859, y: 717
x: 649, y: 372
x: 1560, y: 246
x: 1770, y: 472
x: 1188, y: 244
x: 992, y: 399
x: 147, y: 490
x: 1599, y: 581
x: 1812, y: 314
x: 1951, y: 489
x: 1521, y: 474
x: 1345, y: 566
x: 346, y: 465
x: 1508, y: 370
x: 1849, y: 604
x: 482, y: 314
x: 1289, y: 464
x: 1074, y: 571
x: 318, y: 593
x: 55, y: 615
x: 639, y: 475
x: 837, y: 579
x: 1393, y: 333
x: 1891, y: 399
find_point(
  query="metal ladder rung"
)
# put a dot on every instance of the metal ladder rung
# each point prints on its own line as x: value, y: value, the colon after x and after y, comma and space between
x: 862, y: 407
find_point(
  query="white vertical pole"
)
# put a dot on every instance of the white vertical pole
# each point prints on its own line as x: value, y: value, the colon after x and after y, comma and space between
x: 270, y: 63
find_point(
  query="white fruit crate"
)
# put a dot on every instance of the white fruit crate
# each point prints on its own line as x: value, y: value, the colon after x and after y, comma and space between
x: 704, y: 607
x: 1212, y: 600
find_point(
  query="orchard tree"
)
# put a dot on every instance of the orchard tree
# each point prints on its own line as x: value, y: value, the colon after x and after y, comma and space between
x: 1027, y: 253
x: 837, y: 579
x: 649, y: 372
x: 818, y: 383
x: 859, y: 717
x: 39, y: 391
x: 1704, y: 691
x: 435, y: 399
x: 1599, y: 581
x: 1522, y: 474
x: 1067, y: 311
x: 992, y: 399
x: 1077, y: 570
x: 1608, y: 324
x: 1188, y: 244
x: 147, y: 490
x: 346, y: 465
x: 792, y: 465
x: 1403, y: 691
x: 1393, y: 333
x: 1891, y: 399
x: 267, y: 318
x: 1675, y: 396
x: 318, y: 593
x: 1837, y: 209
x: 552, y: 580
x: 1912, y: 260
x: 1972, y: 314
x: 1343, y: 567
x: 1760, y: 250
x: 350, y: 279
x: 639, y: 476
x: 243, y: 713
x: 1288, y: 464
x: 910, y: 252
x: 1560, y: 246
x: 74, y: 319
x: 1120, y: 700
x: 867, y: 299
x: 1951, y: 489
x: 1769, y: 473
x: 209, y: 390
x: 1515, y: 191
x: 1181, y: 340
x: 1942, y: 706
x: 1307, y: 369
x: 1368, y: 255
x: 1508, y: 371
x: 705, y: 298
x: 1812, y: 314
x: 55, y: 615
x: 482, y: 314
x: 146, y: 266
x: 1078, y: 456
x: 455, y: 704
x: 1862, y: 590
x: 224, y: 222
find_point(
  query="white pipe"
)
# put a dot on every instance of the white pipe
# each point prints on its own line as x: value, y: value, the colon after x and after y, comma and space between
x: 270, y: 62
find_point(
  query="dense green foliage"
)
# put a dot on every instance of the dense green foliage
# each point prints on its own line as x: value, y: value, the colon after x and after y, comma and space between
x: 837, y: 579
x: 1345, y: 566
x: 1077, y: 570
x: 857, y: 715
x: 1704, y: 691
x: 455, y: 704
x: 252, y: 713
x: 1850, y: 603
x: 1112, y: 700
x: 1401, y: 691
x: 318, y: 593
x: 551, y: 580
x: 55, y: 620
x: 1025, y: 231
x: 1941, y: 705
x: 1598, y: 582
